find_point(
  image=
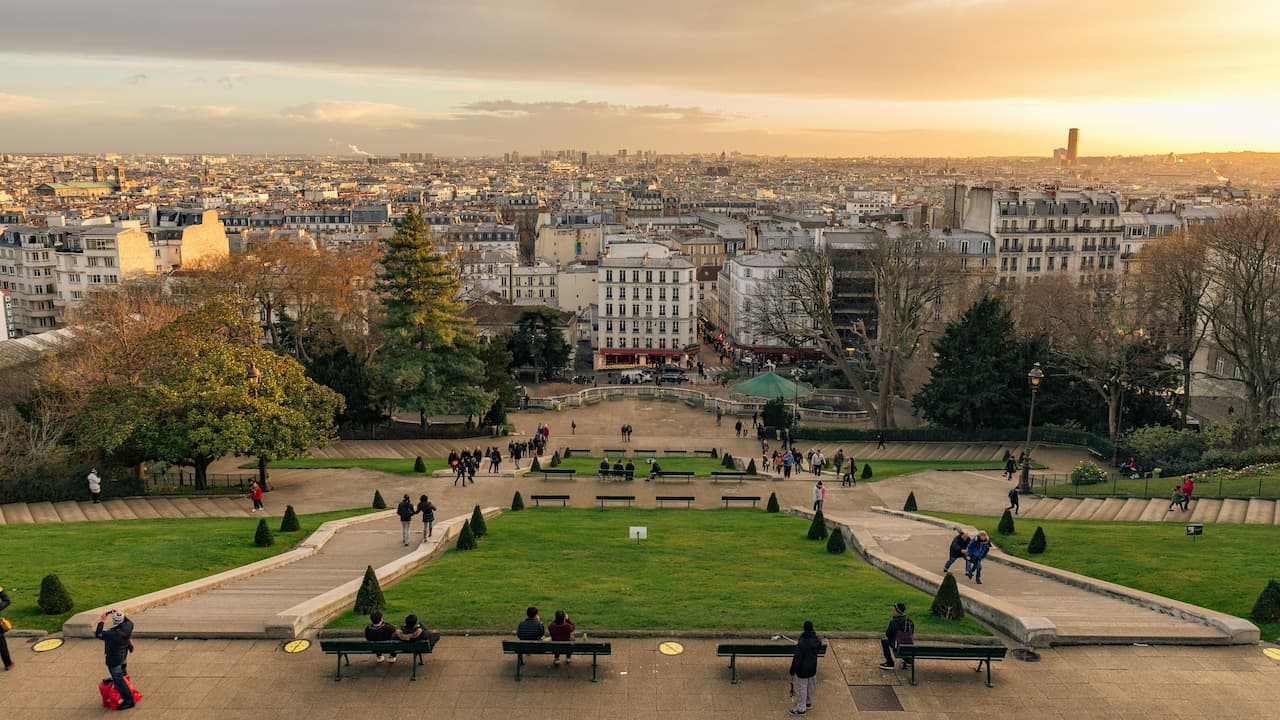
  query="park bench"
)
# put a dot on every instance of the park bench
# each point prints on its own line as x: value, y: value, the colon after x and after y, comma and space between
x: 614, y: 451
x: 558, y: 472
x: 753, y: 499
x: 691, y: 402
x: 577, y: 451
x: 520, y: 648
x: 984, y: 654
x: 686, y: 475
x: 628, y: 499
x: 344, y: 648
x: 645, y: 451
x: 646, y: 395
x: 611, y: 474
x: 733, y: 651
x: 686, y: 499
x: 675, y: 452
x: 718, y: 475
x: 705, y: 453
x: 539, y: 499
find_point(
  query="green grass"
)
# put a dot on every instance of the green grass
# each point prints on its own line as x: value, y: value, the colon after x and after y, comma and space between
x: 703, y: 466
x: 740, y: 571
x: 397, y: 466
x: 1225, y: 569
x: 103, y: 562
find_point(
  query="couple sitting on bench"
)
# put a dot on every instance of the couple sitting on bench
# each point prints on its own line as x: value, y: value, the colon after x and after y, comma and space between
x: 560, y: 630
x: 378, y: 631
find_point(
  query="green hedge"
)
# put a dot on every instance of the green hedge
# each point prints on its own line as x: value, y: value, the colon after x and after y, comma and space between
x: 934, y: 433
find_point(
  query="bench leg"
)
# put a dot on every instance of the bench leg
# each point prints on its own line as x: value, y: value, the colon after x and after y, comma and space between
x: 593, y: 667
x: 341, y: 657
x: 987, y: 662
x: 519, y: 663
x: 733, y: 669
x: 417, y: 660
x: 913, y: 671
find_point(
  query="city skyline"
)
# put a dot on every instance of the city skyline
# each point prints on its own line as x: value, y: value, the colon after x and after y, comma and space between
x: 879, y: 77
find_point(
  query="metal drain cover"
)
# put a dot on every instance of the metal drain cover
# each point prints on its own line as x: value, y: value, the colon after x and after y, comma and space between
x: 1025, y: 655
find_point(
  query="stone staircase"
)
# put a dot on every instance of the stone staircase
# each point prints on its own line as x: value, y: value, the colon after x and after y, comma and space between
x: 135, y: 508
x: 1254, y: 511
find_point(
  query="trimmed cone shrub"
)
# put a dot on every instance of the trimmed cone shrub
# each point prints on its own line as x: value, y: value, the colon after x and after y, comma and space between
x: 536, y: 466
x: 751, y: 467
x: 772, y: 506
x: 1267, y: 609
x: 715, y: 454
x: 818, y: 528
x: 369, y: 598
x: 517, y: 502
x: 835, y: 543
x: 555, y: 459
x: 263, y: 538
x: 378, y: 502
x: 568, y: 453
x: 290, y: 521
x: 1006, y: 523
x: 466, y: 538
x: 947, y: 604
x: 1037, y: 544
x: 727, y: 461
x: 866, y: 471
x: 54, y: 598
x: 910, y: 504
x: 418, y: 465
x: 477, y: 523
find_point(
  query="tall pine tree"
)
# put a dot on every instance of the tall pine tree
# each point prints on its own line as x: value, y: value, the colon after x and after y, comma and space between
x: 431, y: 359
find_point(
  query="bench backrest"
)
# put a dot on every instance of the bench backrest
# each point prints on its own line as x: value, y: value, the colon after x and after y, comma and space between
x: 545, y: 646
x: 615, y: 497
x: 558, y: 471
x: 376, y: 646
x: 548, y: 497
x: 676, y: 497
x: 740, y: 497
x: 944, y: 652
x: 765, y: 649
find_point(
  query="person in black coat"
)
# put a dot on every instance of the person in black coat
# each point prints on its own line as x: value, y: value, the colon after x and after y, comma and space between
x: 114, y: 630
x: 901, y: 631
x: 959, y: 544
x: 804, y: 668
x: 4, y: 646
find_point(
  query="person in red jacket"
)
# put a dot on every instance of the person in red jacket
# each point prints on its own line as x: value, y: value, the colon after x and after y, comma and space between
x: 255, y: 494
x: 1188, y: 487
x: 561, y: 630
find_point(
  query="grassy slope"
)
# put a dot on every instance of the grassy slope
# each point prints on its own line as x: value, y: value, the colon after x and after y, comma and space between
x: 1225, y: 569
x: 741, y: 571
x: 101, y: 562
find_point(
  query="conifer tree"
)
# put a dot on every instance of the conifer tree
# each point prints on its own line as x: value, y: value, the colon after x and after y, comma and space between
x: 910, y: 504
x: 517, y: 502
x: 947, y: 604
x: 836, y: 544
x: 1267, y: 608
x: 378, y: 502
x: 54, y: 598
x: 866, y: 471
x: 1037, y: 544
x: 418, y: 465
x: 1006, y: 523
x: 263, y: 537
x: 772, y: 506
x: 466, y: 538
x: 478, y: 525
x: 818, y: 528
x: 290, y: 521
x: 369, y: 598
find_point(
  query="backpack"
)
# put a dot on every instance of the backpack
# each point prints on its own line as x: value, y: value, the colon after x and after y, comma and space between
x: 907, y: 635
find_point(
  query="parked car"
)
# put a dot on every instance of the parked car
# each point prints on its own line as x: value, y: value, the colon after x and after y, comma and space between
x: 637, y: 375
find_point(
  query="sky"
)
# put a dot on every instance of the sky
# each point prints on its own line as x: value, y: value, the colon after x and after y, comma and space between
x: 803, y: 77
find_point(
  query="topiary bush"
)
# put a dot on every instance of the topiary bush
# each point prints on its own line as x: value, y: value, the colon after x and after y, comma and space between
x: 1037, y: 544
x: 369, y: 598
x: 568, y: 453
x: 517, y: 502
x: 378, y: 502
x: 1006, y: 523
x: 536, y: 466
x: 866, y: 471
x: 290, y: 521
x: 478, y: 525
x: 263, y: 537
x: 910, y: 504
x: 555, y: 459
x: 418, y: 465
x: 818, y: 528
x: 54, y: 598
x: 1267, y: 608
x: 772, y: 505
x: 835, y: 543
x: 715, y: 454
x: 466, y: 538
x: 728, y: 461
x: 751, y: 467
x: 947, y: 604
x: 1087, y: 473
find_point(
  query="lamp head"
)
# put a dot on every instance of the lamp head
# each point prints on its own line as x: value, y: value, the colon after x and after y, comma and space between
x: 1036, y: 376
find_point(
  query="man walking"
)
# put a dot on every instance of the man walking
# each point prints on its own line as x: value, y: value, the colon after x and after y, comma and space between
x: 1013, y: 500
x: 114, y: 630
x: 959, y: 544
x: 804, y: 669
x: 819, y: 496
x: 737, y: 429
x: 879, y: 440
x: 978, y: 549
x: 406, y: 511
x: 95, y: 486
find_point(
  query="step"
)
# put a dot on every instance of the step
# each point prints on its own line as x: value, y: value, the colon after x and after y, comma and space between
x: 1085, y: 509
x: 164, y: 508
x: 1233, y: 511
x: 1156, y: 510
x: 1108, y: 508
x: 970, y: 452
x: 17, y: 514
x: 94, y: 512
x: 119, y: 509
x: 1028, y: 505
x: 1132, y: 509
x: 142, y: 508
x: 1205, y: 510
x: 1260, y: 512
x: 953, y: 452
x: 42, y: 512
x: 993, y: 452
x: 227, y: 507
x: 1044, y: 507
x: 1064, y: 508
x: 188, y: 507
x: 69, y: 511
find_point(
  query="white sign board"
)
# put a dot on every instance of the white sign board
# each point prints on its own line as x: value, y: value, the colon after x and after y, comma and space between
x: 638, y: 532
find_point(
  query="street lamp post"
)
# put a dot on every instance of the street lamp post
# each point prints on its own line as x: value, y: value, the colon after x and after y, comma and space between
x: 1035, y: 377
x: 253, y: 375
x: 1115, y: 440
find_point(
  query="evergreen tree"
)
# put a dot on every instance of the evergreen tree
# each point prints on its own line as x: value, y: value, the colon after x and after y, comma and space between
x: 517, y: 502
x: 555, y: 459
x: 715, y: 454
x: 947, y: 604
x: 54, y: 598
x: 478, y: 525
x: 866, y: 471
x: 263, y: 537
x: 498, y: 380
x: 751, y: 467
x: 466, y: 538
x: 418, y: 465
x: 290, y: 521
x: 1267, y: 608
x: 1006, y: 523
x: 772, y: 505
x: 818, y: 528
x: 775, y: 414
x: 369, y: 598
x: 836, y: 544
x: 538, y: 342
x: 910, y: 504
x: 568, y: 453
x: 727, y: 461
x: 1037, y: 544
x: 378, y: 502
x: 535, y: 466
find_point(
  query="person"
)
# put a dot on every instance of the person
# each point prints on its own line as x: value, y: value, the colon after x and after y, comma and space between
x: 654, y: 469
x: 617, y: 467
x: 604, y: 467
x: 1013, y: 500
x: 406, y: 511
x: 819, y: 495
x: 959, y: 544
x: 114, y: 630
x: 978, y: 549
x: 631, y: 471
x: 901, y: 631
x: 719, y: 414
x: 850, y: 478
x: 804, y: 668
x: 561, y: 630
x: 1188, y: 487
x: 839, y: 459
x: 879, y: 441
x: 737, y: 429
x: 4, y: 646
x: 531, y: 627
x: 378, y: 631
x: 1176, y: 498
x: 95, y: 486
x: 573, y: 427
x: 1010, y: 467
x: 428, y: 511
x: 255, y: 494
x: 414, y: 630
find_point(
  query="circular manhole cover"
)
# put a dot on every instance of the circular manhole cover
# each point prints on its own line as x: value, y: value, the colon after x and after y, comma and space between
x: 47, y: 645
x: 1025, y: 655
x: 1273, y: 653
x: 670, y: 648
x: 297, y: 646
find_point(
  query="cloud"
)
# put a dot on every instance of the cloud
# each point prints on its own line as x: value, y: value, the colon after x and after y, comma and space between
x: 510, y: 109
x: 230, y: 81
x: 136, y: 78
x: 343, y: 112
x: 19, y: 104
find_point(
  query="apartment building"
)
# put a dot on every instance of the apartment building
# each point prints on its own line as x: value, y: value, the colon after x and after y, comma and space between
x: 647, y: 300
x: 530, y: 285
x: 741, y: 283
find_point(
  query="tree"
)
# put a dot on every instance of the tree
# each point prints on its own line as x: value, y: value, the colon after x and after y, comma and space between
x: 751, y: 467
x: 1006, y: 523
x: 498, y: 380
x: 54, y: 598
x: 378, y: 502
x: 818, y: 528
x: 866, y: 471
x: 947, y: 603
x: 538, y: 343
x: 467, y: 537
x: 772, y: 505
x: 1267, y: 607
x: 1037, y: 544
x: 262, y: 537
x: 910, y: 504
x: 478, y: 525
x: 775, y: 414
x: 418, y: 465
x: 289, y: 523
x: 836, y: 544
x: 430, y: 360
x: 517, y: 502
x: 1173, y: 279
x: 369, y: 597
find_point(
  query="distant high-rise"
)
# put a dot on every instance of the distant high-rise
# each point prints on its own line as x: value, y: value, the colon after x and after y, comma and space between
x: 1073, y: 145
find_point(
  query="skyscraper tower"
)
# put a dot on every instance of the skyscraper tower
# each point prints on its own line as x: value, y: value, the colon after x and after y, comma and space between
x: 1073, y: 145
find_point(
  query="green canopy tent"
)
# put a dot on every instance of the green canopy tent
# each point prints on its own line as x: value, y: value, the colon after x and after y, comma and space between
x: 771, y: 385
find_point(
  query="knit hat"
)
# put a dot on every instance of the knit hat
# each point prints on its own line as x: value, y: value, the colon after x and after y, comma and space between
x: 900, y: 607
x: 117, y: 618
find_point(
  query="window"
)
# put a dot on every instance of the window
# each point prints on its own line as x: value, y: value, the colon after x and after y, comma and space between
x: 635, y: 293
x: 662, y: 277
x: 608, y: 276
x: 635, y: 326
x: 608, y: 309
x: 608, y: 326
x: 608, y: 342
x: 662, y: 343
x: 675, y: 327
x: 608, y: 293
x: 635, y: 309
x: 95, y: 279
x: 662, y: 326
x: 648, y: 276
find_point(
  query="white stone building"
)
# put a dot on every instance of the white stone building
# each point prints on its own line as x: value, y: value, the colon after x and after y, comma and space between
x: 647, y: 301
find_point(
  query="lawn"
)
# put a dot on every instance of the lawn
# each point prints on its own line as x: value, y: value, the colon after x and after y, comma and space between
x: 1263, y: 482
x: 397, y: 466
x: 739, y: 571
x: 1225, y: 569
x: 101, y: 562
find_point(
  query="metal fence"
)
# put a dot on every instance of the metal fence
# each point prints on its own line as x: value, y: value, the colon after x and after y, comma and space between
x: 182, y: 481
x: 694, y: 398
x: 1117, y: 485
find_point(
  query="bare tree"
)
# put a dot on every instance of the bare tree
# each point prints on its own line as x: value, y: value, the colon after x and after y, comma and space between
x: 1172, y: 279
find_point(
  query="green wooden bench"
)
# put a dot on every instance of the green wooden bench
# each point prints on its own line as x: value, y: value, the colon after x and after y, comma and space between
x: 718, y: 475
x: 733, y: 651
x: 577, y: 451
x: 539, y: 499
x: 628, y: 499
x: 345, y: 648
x: 753, y: 499
x: 984, y: 654
x: 611, y: 475
x: 686, y: 499
x: 547, y: 473
x: 675, y: 452
x: 614, y: 451
x: 520, y: 648
x: 645, y: 451
x: 686, y: 475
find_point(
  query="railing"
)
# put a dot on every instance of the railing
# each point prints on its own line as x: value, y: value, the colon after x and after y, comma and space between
x: 591, y: 396
x: 183, y: 481
x: 1116, y: 485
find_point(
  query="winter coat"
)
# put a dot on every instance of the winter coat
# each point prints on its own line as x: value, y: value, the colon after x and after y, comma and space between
x: 804, y: 662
